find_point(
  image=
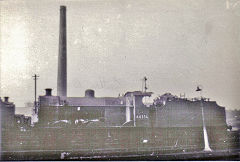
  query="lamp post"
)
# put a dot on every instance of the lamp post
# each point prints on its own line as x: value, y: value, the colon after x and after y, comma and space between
x: 205, y: 135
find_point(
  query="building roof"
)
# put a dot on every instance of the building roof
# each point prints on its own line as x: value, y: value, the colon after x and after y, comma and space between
x: 138, y: 93
x: 96, y: 101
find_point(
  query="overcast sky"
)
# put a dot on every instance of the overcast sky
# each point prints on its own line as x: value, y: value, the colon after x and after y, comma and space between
x: 113, y: 44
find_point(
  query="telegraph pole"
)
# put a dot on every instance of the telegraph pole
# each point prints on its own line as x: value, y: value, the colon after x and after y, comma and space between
x: 145, y: 84
x: 35, y: 92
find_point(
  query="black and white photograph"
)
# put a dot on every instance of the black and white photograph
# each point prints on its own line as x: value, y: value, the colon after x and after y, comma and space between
x: 120, y: 80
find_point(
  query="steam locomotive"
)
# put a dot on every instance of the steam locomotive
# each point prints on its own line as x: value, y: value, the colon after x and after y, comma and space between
x: 92, y: 126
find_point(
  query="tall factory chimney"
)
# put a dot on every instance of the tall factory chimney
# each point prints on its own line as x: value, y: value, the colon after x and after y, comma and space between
x: 62, y: 55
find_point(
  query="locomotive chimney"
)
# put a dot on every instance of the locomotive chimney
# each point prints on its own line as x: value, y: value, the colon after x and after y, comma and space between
x: 89, y: 93
x: 48, y: 91
x: 6, y: 99
x: 62, y: 55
